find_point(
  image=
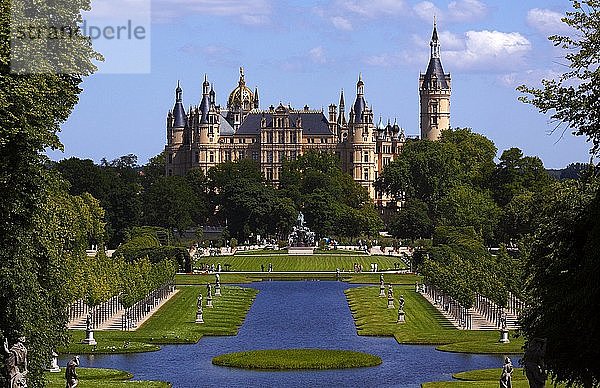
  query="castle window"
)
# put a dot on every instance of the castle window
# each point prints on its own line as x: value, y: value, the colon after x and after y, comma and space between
x: 241, y: 154
x: 281, y: 138
x: 196, y: 156
x: 269, y: 137
x: 210, y: 130
x: 281, y: 156
x: 211, y: 157
x: 386, y: 161
x: 293, y: 155
x: 366, y: 174
x: 170, y: 158
x: 227, y: 156
x: 269, y: 156
x: 255, y: 155
x: 366, y: 157
x: 269, y: 174
x: 293, y: 137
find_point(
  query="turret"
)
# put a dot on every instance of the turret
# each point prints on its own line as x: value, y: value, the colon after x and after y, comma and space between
x: 359, y: 105
x: 256, y: 106
x: 342, y: 116
x: 434, y: 91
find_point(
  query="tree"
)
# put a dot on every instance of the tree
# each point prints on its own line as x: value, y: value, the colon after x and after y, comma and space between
x: 412, y: 221
x: 562, y: 269
x: 466, y: 206
x: 516, y: 174
x: 573, y: 100
x: 32, y: 109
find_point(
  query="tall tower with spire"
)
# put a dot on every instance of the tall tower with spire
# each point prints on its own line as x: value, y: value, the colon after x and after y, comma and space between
x: 434, y: 91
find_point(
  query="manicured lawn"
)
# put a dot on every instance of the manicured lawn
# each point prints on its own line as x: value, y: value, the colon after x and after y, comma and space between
x: 202, y: 279
x: 174, y: 323
x: 284, y: 262
x: 483, y: 378
x: 371, y: 278
x: 287, y: 359
x: 95, y: 377
x: 424, y: 324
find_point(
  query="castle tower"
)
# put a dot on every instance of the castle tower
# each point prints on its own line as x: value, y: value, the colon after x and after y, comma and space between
x: 177, y: 136
x: 434, y: 92
x: 361, y: 140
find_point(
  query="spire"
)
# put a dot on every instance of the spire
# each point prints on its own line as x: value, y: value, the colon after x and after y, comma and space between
x: 178, y: 93
x: 360, y: 85
x: 242, y: 80
x: 256, y: 97
x: 435, y: 43
x: 342, y: 115
x: 205, y: 85
x: 212, y: 96
x: 179, y: 110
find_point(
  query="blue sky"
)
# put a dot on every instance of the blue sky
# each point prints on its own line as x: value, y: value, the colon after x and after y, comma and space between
x: 304, y: 52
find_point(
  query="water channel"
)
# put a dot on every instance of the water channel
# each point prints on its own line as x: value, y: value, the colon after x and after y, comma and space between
x: 298, y: 314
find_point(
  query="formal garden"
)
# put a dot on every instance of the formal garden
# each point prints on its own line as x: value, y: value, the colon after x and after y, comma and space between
x: 481, y: 271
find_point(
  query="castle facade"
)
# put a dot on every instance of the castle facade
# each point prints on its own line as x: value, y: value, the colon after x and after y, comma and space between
x: 206, y: 135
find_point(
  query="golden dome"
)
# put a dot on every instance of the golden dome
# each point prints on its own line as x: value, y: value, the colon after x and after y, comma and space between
x: 241, y: 96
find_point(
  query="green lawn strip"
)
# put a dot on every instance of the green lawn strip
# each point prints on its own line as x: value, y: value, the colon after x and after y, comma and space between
x: 485, y: 378
x: 262, y: 252
x: 96, y: 377
x: 202, y: 279
x: 282, y: 262
x: 373, y: 278
x: 287, y: 359
x: 174, y: 322
x: 424, y: 325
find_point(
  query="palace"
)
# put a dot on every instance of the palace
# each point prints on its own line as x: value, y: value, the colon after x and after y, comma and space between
x: 207, y: 134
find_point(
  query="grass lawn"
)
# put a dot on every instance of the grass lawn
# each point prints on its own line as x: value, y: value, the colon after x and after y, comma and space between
x: 95, y: 377
x: 288, y: 359
x: 483, y: 378
x: 202, y: 279
x: 372, y: 278
x: 322, y: 262
x: 174, y: 323
x: 424, y: 324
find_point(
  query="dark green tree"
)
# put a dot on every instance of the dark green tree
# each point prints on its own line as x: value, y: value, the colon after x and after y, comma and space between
x: 412, y: 221
x: 32, y: 108
x: 562, y: 268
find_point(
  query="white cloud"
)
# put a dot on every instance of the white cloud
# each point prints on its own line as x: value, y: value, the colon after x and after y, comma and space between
x: 528, y: 77
x: 341, y: 23
x: 250, y: 12
x: 456, y: 11
x: 466, y: 10
x: 372, y: 8
x: 317, y: 55
x: 546, y: 21
x: 426, y: 10
x: 489, y: 50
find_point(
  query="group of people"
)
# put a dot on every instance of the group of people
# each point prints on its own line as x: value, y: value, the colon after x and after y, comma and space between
x: 270, y: 267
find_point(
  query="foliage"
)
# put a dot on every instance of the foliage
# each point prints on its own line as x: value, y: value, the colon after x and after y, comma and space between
x: 294, y: 359
x: 412, y: 221
x: 516, y: 174
x: 332, y: 202
x: 574, y: 98
x: 459, y: 264
x: 563, y: 285
x: 466, y: 206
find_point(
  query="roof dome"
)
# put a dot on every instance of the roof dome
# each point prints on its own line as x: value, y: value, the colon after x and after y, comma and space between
x: 241, y: 96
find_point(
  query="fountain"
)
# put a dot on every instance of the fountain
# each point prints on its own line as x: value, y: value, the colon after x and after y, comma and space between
x: 302, y: 240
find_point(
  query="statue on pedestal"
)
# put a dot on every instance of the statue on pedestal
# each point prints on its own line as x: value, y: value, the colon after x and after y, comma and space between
x: 16, y: 363
x: 506, y: 376
x: 71, y: 373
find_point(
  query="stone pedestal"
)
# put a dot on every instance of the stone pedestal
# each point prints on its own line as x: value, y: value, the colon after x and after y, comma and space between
x: 199, y: 318
x: 504, y: 336
x: 401, y: 318
x: 390, y: 303
x: 89, y: 338
x: 54, y: 368
x: 382, y: 291
x: 300, y: 251
x: 217, y: 290
x: 209, y: 302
